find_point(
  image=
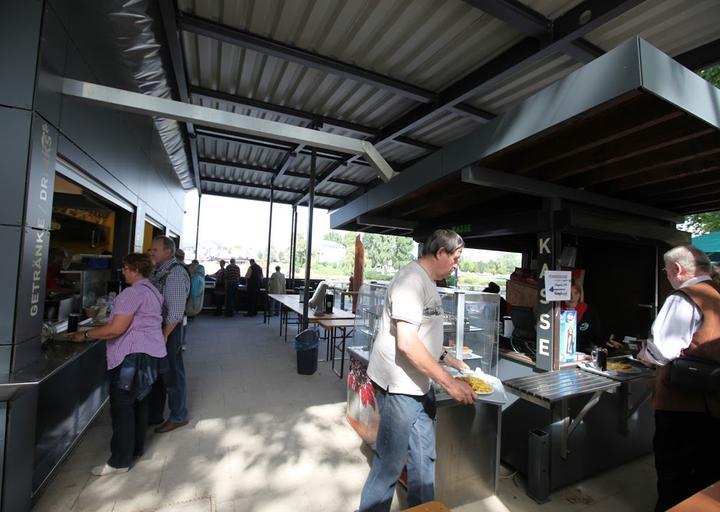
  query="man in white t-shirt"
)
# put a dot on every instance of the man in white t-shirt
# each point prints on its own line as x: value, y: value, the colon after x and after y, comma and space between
x: 404, y: 360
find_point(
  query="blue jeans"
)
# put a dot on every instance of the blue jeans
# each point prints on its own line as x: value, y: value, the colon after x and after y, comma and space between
x: 171, y: 384
x: 406, y: 430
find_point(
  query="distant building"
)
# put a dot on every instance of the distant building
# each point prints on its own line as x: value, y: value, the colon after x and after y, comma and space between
x: 329, y: 252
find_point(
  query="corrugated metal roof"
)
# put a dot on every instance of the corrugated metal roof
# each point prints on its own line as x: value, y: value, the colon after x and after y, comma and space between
x: 427, y: 44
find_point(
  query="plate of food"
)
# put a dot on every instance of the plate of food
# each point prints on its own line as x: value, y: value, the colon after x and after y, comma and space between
x: 622, y: 367
x: 478, y: 385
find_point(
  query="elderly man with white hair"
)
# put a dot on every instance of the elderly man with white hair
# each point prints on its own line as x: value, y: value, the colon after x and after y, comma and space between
x: 687, y: 422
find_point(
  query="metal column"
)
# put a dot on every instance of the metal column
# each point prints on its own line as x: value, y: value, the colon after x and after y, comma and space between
x: 308, y: 251
x: 197, y: 226
x: 293, y: 236
x: 272, y: 198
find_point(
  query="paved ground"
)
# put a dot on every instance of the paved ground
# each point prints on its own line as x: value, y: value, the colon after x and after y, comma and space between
x: 263, y: 438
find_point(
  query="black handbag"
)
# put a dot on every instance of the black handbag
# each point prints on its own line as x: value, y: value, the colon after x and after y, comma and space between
x: 695, y: 374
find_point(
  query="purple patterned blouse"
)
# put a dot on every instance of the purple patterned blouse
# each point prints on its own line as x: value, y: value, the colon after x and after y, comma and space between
x: 144, y: 335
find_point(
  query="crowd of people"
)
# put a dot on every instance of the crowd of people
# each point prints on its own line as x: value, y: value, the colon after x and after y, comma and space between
x: 145, y: 364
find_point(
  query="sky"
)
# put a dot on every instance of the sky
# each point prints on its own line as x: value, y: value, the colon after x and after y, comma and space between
x: 228, y: 222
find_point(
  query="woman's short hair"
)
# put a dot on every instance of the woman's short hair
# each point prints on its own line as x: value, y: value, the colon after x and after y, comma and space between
x: 692, y: 259
x: 444, y: 239
x: 139, y: 262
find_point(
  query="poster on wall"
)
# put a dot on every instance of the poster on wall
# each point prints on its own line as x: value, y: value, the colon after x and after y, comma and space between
x: 568, y: 335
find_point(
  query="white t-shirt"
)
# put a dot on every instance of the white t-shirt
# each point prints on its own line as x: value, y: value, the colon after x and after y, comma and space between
x: 410, y: 297
x: 676, y: 323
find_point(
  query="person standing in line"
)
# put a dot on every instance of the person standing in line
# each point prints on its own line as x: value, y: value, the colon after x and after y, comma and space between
x: 173, y: 282
x: 405, y: 359
x: 254, y: 277
x: 135, y: 345
x: 276, y: 285
x: 219, y: 290
x: 687, y: 422
x: 232, y: 281
x: 180, y: 258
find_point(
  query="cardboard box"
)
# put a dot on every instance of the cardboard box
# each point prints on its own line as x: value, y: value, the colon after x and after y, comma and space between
x: 520, y: 293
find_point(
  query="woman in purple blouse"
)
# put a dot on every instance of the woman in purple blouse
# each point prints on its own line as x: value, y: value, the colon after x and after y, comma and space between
x: 135, y: 345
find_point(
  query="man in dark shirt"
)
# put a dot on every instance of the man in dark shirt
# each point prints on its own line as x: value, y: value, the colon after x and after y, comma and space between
x: 254, y: 276
x: 232, y: 280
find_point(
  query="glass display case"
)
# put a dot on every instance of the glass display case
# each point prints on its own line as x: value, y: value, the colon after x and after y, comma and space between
x: 471, y: 327
x: 368, y: 311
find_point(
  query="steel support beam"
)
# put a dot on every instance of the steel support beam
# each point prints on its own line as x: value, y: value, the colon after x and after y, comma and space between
x: 266, y: 142
x: 534, y: 24
x: 242, y: 196
x: 237, y: 165
x: 150, y: 105
x: 378, y: 222
x: 537, y: 188
x: 301, y: 114
x: 244, y: 39
x: 566, y: 29
x: 276, y: 172
x: 168, y: 15
x: 578, y: 21
x: 262, y: 186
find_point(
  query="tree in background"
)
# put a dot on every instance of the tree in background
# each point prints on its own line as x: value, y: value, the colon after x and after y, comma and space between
x: 403, y: 253
x: 378, y: 251
x: 333, y: 236
x: 702, y: 223
x: 300, y: 249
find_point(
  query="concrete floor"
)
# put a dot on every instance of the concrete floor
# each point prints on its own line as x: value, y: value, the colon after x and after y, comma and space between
x: 263, y: 438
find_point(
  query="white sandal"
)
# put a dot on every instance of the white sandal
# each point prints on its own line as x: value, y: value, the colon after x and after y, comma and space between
x: 107, y: 469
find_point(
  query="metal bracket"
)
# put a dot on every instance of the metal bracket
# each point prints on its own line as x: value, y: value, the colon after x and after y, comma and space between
x: 569, y: 426
x: 626, y: 409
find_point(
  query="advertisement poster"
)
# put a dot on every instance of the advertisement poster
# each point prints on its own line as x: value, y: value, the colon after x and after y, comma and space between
x: 568, y: 335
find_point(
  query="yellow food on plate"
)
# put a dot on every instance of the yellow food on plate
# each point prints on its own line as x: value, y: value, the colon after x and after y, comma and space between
x: 619, y: 366
x: 477, y: 384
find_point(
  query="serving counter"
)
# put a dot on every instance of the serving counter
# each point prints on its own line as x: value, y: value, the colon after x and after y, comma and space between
x: 53, y: 401
x: 564, y: 426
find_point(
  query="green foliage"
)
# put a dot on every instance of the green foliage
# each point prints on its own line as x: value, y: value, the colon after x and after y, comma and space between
x: 386, y: 253
x: 712, y: 75
x: 333, y: 236
x: 702, y: 223
x: 300, y: 249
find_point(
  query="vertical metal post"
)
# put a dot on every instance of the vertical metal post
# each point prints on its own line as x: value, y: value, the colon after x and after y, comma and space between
x: 293, y: 235
x: 308, y: 251
x: 267, y: 303
x: 272, y: 198
x: 197, y: 226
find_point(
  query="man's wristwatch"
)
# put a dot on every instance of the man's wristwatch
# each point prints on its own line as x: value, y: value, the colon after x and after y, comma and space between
x: 442, y: 357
